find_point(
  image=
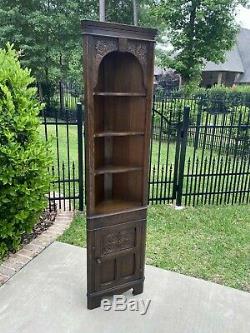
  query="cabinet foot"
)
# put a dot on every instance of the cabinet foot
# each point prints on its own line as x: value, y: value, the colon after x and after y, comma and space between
x: 138, y: 289
x: 94, y: 302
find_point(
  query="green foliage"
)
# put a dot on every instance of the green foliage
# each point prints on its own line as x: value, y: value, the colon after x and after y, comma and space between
x: 122, y: 11
x: 229, y: 98
x: 49, y: 36
x: 199, y: 31
x: 239, y: 94
x: 23, y: 155
x: 47, y: 32
x: 119, y: 11
x: 217, y: 100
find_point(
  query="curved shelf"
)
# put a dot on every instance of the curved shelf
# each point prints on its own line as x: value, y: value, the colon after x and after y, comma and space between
x: 111, y: 206
x: 119, y: 94
x: 115, y: 169
x: 113, y: 133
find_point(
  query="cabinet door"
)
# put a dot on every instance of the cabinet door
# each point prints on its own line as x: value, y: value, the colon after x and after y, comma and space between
x: 118, y: 257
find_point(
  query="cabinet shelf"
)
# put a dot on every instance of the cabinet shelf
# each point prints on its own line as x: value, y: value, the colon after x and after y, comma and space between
x: 119, y: 94
x: 115, y: 169
x: 110, y: 206
x: 113, y: 133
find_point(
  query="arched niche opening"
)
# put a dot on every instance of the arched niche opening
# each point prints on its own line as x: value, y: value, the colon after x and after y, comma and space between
x: 119, y: 96
x: 120, y: 72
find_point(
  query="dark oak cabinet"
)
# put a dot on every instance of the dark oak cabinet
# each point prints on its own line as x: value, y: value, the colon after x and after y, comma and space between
x: 118, y: 72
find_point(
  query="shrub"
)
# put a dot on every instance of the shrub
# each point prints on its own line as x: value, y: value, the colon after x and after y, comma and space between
x: 24, y: 157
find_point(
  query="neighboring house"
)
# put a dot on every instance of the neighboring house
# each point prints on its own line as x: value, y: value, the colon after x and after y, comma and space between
x: 235, y: 69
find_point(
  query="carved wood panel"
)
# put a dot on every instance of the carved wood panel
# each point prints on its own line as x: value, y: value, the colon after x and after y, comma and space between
x: 102, y: 48
x: 117, y: 241
x: 139, y: 50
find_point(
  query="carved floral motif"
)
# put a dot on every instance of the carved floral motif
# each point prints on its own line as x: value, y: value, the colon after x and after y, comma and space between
x: 118, y: 241
x: 138, y: 49
x: 103, y: 47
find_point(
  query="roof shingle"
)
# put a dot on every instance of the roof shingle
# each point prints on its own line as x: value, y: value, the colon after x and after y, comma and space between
x: 237, y: 60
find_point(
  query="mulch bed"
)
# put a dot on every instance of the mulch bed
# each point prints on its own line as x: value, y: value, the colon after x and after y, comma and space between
x: 46, y: 220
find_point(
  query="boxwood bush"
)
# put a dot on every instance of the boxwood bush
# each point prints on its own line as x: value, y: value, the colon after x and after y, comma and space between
x: 24, y: 156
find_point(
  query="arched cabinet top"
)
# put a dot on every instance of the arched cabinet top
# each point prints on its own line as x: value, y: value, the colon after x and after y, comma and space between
x: 106, y: 45
x: 120, y: 72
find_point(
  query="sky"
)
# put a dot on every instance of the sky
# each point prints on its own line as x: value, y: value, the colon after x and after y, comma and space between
x: 243, y: 17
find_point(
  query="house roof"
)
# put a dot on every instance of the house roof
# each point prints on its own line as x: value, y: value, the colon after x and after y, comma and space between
x: 232, y: 63
x: 243, y: 43
x: 237, y: 60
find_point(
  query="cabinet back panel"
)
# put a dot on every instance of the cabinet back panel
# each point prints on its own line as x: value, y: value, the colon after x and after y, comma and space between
x: 99, y: 189
x: 125, y: 186
x: 128, y: 151
x: 119, y: 113
x: 119, y: 151
x: 128, y: 186
x: 99, y: 152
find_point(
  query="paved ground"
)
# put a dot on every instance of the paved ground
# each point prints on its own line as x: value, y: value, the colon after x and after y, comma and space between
x: 15, y: 262
x: 48, y: 296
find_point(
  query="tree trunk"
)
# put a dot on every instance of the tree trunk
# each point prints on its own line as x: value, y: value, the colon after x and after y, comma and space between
x: 102, y: 10
x: 135, y: 12
x: 191, y: 61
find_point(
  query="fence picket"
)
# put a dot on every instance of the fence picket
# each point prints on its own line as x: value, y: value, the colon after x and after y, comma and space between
x: 203, y: 161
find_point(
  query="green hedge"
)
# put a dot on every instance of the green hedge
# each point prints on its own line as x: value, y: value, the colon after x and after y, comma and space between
x: 24, y: 157
x: 218, y: 99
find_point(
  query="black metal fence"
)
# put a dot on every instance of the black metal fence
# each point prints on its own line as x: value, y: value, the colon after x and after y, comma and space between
x: 60, y: 99
x: 64, y: 135
x: 200, y: 153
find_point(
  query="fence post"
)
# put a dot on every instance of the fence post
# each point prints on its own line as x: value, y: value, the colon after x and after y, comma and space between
x: 80, y: 153
x: 177, y: 160
x: 197, y: 131
x: 61, y: 96
x: 183, y: 144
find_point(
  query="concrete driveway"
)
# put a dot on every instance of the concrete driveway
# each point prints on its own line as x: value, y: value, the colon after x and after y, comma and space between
x: 48, y: 296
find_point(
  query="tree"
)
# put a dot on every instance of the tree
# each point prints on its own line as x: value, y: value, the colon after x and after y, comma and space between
x: 129, y: 11
x: 199, y: 31
x: 120, y: 11
x: 47, y: 32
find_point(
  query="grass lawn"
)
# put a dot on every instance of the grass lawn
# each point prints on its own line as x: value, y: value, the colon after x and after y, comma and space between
x: 209, y: 242
x: 62, y: 150
x: 160, y: 151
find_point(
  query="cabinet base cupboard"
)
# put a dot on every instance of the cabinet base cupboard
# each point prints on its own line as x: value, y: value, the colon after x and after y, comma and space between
x: 118, y: 73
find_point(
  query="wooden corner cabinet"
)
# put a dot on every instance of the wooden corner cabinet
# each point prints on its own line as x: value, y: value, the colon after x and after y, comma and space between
x: 118, y: 72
